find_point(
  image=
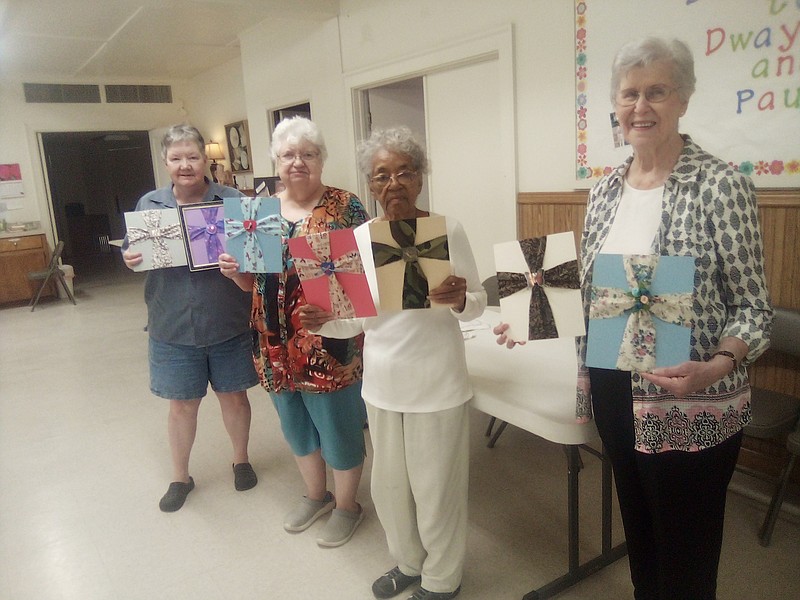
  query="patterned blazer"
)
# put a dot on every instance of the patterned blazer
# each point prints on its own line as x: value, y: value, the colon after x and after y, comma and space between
x: 708, y: 212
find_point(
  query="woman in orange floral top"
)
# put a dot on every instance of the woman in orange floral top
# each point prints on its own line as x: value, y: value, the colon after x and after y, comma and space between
x: 314, y: 382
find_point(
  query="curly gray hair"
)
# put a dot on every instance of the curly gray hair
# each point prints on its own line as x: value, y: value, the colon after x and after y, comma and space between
x: 646, y: 51
x: 395, y: 139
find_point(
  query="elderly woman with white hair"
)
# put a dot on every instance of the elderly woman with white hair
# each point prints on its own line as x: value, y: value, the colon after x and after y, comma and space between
x: 673, y: 434
x: 314, y: 383
x: 416, y: 388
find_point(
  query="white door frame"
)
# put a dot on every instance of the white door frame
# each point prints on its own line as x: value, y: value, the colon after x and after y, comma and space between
x: 497, y: 44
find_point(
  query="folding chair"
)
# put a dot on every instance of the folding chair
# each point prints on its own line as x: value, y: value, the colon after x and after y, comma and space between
x: 775, y: 415
x: 53, y: 270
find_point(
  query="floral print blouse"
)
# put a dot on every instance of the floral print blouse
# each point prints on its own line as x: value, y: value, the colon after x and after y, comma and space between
x: 287, y: 357
x: 708, y: 212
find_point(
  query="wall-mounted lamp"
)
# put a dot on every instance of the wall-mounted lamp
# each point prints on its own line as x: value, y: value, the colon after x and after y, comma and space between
x: 214, y: 152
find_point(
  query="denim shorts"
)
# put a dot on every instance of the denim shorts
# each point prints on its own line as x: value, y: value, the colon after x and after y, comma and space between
x: 180, y: 372
x: 332, y: 422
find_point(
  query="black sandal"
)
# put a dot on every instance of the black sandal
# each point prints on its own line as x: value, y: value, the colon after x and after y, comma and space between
x: 244, y: 477
x: 176, y: 495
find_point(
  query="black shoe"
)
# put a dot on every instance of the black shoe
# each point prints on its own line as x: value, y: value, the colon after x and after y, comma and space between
x: 244, y: 477
x: 423, y: 594
x: 392, y: 583
x: 176, y: 495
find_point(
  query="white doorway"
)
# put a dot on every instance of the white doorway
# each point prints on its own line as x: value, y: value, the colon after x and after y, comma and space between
x: 463, y: 99
x: 394, y: 104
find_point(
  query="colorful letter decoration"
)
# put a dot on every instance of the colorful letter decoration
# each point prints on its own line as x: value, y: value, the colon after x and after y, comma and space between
x: 157, y: 235
x: 253, y: 230
x: 411, y: 257
x: 539, y: 287
x: 641, y: 311
x: 332, y: 274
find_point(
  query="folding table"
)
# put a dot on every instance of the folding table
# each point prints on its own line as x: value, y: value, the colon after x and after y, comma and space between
x: 533, y: 387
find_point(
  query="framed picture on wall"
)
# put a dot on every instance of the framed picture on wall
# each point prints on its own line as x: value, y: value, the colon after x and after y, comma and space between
x: 238, y: 138
x: 267, y: 186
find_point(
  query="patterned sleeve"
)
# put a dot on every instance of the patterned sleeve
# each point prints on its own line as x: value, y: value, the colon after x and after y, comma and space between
x: 356, y: 211
x: 587, y: 238
x: 583, y: 392
x: 738, y: 246
x: 339, y: 209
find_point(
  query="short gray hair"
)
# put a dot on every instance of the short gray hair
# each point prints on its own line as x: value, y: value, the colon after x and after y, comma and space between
x: 646, y: 51
x: 182, y: 133
x: 295, y: 129
x: 399, y: 140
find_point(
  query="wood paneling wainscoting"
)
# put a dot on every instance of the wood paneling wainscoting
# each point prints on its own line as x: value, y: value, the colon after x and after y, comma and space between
x: 543, y: 213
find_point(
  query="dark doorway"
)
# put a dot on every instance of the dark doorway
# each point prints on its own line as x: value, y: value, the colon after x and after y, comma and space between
x: 95, y: 177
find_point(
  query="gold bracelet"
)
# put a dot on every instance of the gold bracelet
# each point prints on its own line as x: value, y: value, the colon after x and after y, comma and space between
x: 730, y: 355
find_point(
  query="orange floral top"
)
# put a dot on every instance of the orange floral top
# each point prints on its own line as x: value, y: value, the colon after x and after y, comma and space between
x: 286, y: 356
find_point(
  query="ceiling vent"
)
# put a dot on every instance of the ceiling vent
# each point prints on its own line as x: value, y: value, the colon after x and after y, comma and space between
x: 62, y: 93
x: 139, y: 94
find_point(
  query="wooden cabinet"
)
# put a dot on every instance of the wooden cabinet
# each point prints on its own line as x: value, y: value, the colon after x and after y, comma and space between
x: 19, y: 256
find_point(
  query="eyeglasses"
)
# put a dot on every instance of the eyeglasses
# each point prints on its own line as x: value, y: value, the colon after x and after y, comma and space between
x: 404, y: 178
x: 287, y: 158
x: 654, y: 94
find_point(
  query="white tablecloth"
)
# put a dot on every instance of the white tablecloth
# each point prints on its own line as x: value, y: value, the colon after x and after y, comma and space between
x: 530, y: 386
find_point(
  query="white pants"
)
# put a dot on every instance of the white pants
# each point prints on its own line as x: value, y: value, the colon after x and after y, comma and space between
x: 420, y: 479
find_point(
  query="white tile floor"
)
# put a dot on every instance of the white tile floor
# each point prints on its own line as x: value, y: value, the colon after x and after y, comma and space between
x: 84, y: 460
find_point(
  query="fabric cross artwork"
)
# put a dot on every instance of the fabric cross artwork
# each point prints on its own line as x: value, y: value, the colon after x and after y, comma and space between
x: 203, y: 234
x: 332, y: 274
x: 641, y: 312
x: 253, y: 233
x: 411, y: 257
x: 157, y: 235
x: 529, y: 272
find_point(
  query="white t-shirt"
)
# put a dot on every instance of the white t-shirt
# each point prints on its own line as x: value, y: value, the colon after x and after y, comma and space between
x: 414, y: 360
x: 635, y: 222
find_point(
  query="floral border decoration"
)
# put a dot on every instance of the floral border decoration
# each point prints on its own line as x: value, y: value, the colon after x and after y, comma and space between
x: 583, y: 169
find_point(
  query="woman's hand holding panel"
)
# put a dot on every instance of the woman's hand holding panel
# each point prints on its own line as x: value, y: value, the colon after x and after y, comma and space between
x: 452, y: 292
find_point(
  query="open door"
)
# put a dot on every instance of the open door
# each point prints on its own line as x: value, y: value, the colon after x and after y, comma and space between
x: 469, y: 125
x: 93, y: 178
x: 393, y: 104
x: 159, y: 168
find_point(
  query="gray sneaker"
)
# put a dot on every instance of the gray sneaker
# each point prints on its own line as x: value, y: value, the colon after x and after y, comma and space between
x: 340, y: 528
x: 307, y: 511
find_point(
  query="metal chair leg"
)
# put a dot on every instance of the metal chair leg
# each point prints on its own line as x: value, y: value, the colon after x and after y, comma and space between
x: 765, y: 534
x: 64, y: 285
x: 497, y: 433
x: 35, y: 301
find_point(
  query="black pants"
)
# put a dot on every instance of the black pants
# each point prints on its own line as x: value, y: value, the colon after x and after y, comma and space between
x: 672, y: 503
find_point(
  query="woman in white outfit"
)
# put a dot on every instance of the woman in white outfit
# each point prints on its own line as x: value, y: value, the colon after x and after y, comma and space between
x: 416, y: 388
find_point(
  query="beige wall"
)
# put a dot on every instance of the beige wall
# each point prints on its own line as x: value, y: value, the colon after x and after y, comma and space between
x: 20, y: 123
x: 215, y: 99
x: 208, y: 101
x: 374, y: 32
x: 285, y: 61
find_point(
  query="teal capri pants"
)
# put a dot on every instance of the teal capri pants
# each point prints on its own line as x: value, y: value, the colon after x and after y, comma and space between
x: 332, y: 422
